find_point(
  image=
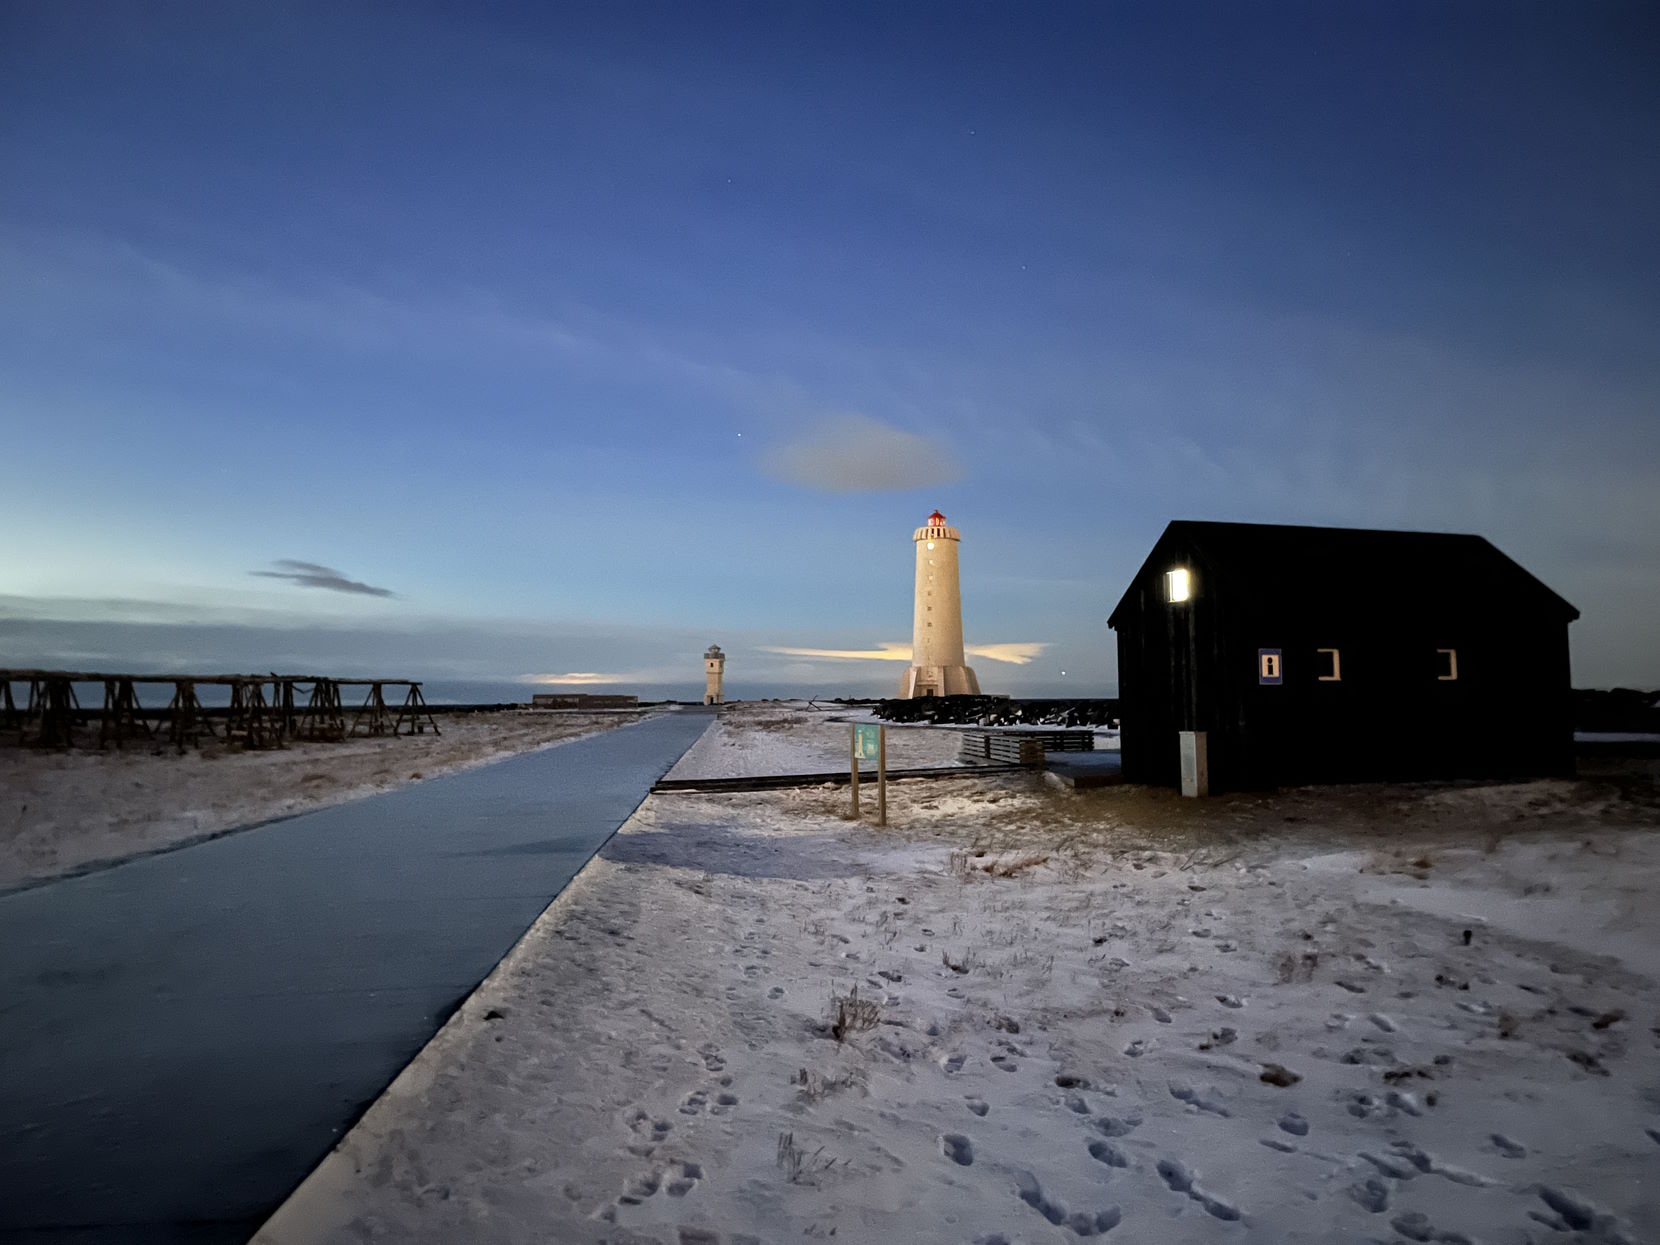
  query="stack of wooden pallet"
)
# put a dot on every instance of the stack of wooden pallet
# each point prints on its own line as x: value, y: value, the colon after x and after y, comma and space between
x: 993, y: 746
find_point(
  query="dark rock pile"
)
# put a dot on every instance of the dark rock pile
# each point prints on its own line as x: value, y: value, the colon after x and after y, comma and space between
x: 1000, y: 711
x: 1617, y: 709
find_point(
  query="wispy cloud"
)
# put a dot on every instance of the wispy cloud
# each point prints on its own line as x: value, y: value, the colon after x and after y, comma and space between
x: 1015, y: 654
x: 1019, y: 653
x: 312, y: 575
x: 576, y: 678
x: 887, y: 652
x: 857, y: 454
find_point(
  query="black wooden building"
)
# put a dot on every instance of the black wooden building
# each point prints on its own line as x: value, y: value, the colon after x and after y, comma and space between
x: 1312, y: 654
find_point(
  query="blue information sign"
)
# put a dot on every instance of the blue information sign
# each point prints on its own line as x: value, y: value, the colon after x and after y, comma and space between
x: 1268, y: 667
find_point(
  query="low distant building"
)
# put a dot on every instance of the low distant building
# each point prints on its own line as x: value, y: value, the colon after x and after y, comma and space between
x: 714, y: 674
x: 1307, y: 654
x: 582, y: 700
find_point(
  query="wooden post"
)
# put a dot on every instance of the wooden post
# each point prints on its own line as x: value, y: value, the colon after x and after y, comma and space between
x: 881, y: 775
x: 123, y: 716
x: 10, y: 718
x: 58, y: 705
x: 853, y: 759
x: 415, y: 709
x: 188, y: 721
x: 282, y: 696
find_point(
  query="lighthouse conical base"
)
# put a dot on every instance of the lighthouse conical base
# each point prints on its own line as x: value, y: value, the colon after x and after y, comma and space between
x: 921, y: 681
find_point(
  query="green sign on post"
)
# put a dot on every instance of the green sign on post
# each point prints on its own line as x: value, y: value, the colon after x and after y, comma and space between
x: 869, y: 743
x: 866, y: 740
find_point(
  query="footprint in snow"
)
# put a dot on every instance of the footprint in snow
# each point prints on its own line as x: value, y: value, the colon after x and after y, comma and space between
x: 1114, y: 1126
x: 1373, y: 1195
x: 1175, y: 1176
x: 1229, y: 1000
x: 1574, y: 1214
x: 1106, y: 1152
x: 1415, y: 1226
x: 1208, y: 1101
x: 1080, y: 1223
x: 1294, y: 1124
x: 682, y: 1178
x: 640, y: 1187
x: 978, y: 1105
x: 723, y: 1104
x: 958, y: 1148
x: 1180, y: 1180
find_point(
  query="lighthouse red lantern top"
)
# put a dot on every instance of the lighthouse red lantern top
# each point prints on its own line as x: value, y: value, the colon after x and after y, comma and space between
x: 936, y: 529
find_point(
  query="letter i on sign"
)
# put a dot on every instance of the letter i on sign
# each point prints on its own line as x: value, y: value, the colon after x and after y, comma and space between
x: 1268, y: 666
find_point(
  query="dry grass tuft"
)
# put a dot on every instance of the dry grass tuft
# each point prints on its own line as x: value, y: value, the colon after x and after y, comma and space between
x: 850, y: 1014
x: 815, y: 1087
x: 798, y: 1166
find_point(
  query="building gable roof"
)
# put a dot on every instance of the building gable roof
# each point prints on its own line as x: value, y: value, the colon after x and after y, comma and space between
x: 1283, y: 556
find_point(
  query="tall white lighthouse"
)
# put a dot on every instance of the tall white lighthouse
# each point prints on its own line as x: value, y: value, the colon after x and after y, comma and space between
x: 937, y: 667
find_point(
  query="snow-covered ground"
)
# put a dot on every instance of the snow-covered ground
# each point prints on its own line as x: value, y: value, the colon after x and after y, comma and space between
x: 65, y: 811
x: 1366, y: 1014
x: 762, y: 737
x: 795, y: 737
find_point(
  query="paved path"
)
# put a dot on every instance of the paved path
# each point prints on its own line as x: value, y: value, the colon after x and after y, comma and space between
x: 184, y: 1036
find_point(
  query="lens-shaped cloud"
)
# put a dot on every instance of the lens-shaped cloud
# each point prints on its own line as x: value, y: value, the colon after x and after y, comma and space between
x: 857, y: 454
x: 312, y: 575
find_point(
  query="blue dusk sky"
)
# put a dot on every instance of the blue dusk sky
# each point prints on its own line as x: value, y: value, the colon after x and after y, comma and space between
x: 479, y: 341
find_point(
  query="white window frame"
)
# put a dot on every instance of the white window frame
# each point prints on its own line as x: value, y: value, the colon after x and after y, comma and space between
x: 1336, y: 675
x: 1452, y: 666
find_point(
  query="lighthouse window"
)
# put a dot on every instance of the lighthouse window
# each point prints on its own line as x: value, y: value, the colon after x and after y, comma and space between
x: 1447, y: 664
x: 1327, y: 663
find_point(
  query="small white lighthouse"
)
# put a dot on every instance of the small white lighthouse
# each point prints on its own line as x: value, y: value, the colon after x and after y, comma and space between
x: 714, y: 670
x: 937, y: 667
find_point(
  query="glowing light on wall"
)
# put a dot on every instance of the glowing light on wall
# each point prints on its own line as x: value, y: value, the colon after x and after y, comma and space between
x: 1178, y: 585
